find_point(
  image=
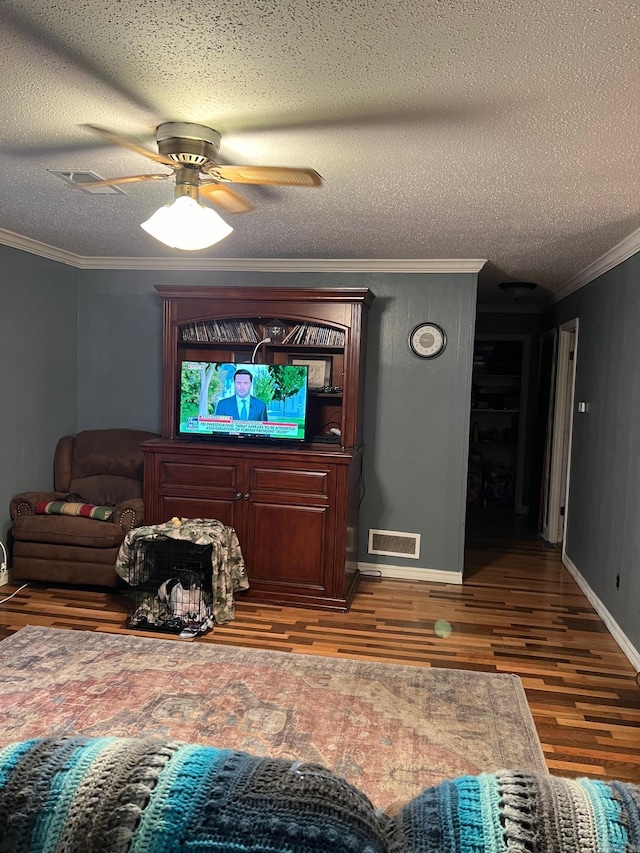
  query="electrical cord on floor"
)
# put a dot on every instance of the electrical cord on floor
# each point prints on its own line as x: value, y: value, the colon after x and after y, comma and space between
x: 363, y: 488
x: 9, y: 597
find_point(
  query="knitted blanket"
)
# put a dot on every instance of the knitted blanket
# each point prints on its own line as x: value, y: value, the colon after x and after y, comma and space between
x: 129, y: 795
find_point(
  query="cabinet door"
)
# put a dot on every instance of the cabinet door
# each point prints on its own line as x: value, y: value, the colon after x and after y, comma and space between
x: 295, y: 513
x: 193, y: 487
x: 288, y: 527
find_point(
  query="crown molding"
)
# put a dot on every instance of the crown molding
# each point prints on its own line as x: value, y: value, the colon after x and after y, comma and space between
x: 403, y: 265
x: 371, y: 265
x: 621, y: 252
x: 35, y: 247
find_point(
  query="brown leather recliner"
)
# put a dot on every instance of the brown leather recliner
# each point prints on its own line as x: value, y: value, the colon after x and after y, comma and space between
x: 101, y: 467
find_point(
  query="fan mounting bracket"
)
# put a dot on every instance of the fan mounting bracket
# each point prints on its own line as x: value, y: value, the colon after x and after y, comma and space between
x: 188, y: 144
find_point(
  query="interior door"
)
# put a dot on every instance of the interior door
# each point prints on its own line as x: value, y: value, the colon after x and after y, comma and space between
x: 544, y: 427
x: 566, y: 435
x: 560, y: 430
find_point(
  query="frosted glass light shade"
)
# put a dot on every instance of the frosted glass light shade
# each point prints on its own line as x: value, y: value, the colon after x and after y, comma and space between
x: 187, y: 225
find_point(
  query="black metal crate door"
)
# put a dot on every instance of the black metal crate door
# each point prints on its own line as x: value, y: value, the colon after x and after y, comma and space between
x: 170, y: 586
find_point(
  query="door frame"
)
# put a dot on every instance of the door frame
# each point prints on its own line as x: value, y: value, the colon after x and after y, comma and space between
x: 546, y: 385
x: 557, y: 485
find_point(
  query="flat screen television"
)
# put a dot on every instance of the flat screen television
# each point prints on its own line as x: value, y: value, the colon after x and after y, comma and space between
x: 218, y: 399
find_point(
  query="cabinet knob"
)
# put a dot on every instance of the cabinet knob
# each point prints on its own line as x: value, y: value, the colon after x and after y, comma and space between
x: 246, y: 496
x: 237, y: 496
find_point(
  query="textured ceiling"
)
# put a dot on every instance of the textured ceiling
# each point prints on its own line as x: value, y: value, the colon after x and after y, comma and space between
x: 489, y: 129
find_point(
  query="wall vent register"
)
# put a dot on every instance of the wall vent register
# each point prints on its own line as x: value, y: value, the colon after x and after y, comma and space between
x: 392, y: 543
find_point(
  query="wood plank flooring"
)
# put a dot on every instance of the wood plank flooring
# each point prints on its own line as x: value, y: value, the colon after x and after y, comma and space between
x: 518, y: 611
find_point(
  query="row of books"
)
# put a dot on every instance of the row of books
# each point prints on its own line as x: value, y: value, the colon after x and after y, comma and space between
x: 243, y: 331
x: 236, y: 331
x: 315, y: 336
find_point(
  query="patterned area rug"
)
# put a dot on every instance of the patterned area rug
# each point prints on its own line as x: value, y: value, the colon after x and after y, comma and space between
x: 389, y: 729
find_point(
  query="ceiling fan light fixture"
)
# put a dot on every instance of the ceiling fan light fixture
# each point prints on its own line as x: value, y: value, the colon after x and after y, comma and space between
x: 185, y: 224
x: 517, y: 289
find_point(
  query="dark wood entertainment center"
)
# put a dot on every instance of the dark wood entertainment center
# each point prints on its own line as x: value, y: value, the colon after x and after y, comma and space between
x: 294, y: 508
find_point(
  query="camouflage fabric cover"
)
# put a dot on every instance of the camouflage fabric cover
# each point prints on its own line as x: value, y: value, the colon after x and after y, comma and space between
x: 229, y: 573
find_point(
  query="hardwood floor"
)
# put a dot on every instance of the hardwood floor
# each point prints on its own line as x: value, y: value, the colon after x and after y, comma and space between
x: 518, y: 611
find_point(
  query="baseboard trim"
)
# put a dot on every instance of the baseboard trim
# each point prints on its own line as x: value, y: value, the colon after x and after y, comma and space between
x: 614, y: 629
x: 410, y: 573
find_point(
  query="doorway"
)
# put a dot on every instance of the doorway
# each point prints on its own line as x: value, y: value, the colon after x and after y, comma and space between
x: 559, y: 434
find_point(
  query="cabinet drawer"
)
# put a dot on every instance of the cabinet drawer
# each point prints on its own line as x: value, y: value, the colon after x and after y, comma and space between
x: 289, y: 480
x: 193, y: 507
x: 176, y: 473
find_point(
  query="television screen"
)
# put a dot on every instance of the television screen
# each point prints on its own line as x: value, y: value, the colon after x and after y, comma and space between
x: 218, y: 399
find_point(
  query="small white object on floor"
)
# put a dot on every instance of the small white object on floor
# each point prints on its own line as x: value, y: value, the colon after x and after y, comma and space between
x: 188, y: 633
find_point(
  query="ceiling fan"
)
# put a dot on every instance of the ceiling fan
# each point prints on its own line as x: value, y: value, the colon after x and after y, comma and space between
x: 190, y: 150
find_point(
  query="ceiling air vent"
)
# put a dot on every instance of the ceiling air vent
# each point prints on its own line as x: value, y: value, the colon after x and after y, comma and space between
x: 391, y: 543
x: 77, y: 178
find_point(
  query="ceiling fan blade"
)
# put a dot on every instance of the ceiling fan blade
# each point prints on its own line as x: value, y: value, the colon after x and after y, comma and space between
x: 226, y: 198
x: 441, y: 113
x: 37, y: 31
x: 131, y: 179
x: 270, y: 175
x: 131, y: 144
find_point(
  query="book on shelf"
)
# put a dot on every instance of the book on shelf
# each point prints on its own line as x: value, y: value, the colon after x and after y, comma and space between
x: 313, y: 335
x: 220, y: 331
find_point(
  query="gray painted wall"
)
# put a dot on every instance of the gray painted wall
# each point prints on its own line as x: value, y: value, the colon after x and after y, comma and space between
x: 603, y: 529
x: 416, y: 412
x: 82, y: 350
x: 38, y: 379
x: 120, y: 341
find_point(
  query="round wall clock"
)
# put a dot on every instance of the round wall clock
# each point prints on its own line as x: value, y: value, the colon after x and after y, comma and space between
x: 428, y: 340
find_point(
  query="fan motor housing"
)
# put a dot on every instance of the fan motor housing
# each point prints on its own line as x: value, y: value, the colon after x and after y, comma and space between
x: 188, y: 144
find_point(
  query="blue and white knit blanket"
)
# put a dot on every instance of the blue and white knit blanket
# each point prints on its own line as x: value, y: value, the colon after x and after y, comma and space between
x: 144, y: 795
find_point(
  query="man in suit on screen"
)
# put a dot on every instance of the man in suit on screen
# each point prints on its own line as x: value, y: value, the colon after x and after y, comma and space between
x: 242, y: 405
